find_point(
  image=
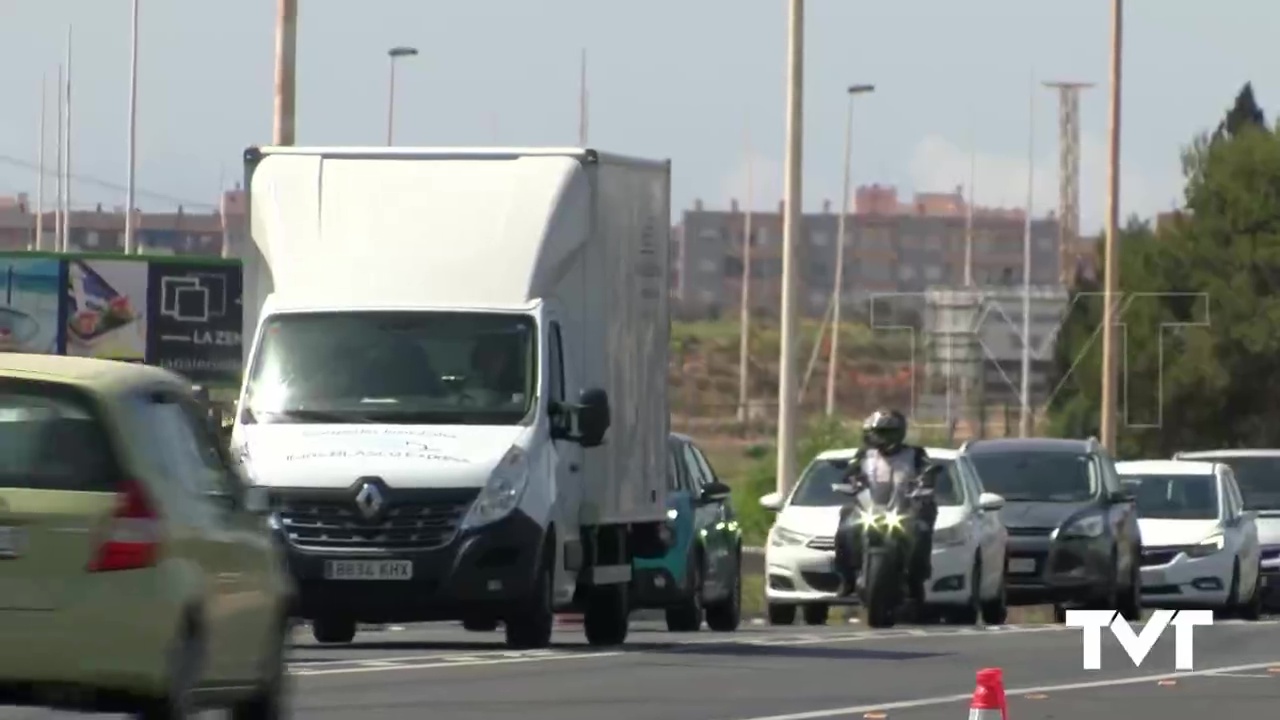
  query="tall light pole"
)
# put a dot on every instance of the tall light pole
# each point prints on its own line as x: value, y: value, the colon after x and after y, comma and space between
x: 129, y: 204
x: 787, y: 387
x: 58, y: 229
x: 744, y: 320
x: 40, y: 183
x: 583, y: 101
x: 66, y: 156
x: 837, y: 290
x: 286, y: 75
x: 1024, y: 417
x: 1111, y: 266
x: 393, y: 55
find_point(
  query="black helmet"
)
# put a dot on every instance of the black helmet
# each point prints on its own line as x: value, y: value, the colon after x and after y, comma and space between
x: 885, y: 430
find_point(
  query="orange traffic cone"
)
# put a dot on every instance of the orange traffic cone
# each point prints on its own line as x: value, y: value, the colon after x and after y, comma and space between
x: 988, y: 697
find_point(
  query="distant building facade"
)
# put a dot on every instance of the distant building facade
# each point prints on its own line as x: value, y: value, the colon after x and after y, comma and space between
x: 892, y: 247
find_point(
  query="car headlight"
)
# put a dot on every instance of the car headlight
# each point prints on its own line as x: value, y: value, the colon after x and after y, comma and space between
x: 502, y: 493
x: 1089, y: 526
x: 951, y: 535
x: 781, y: 537
x: 673, y: 514
x: 1208, y: 546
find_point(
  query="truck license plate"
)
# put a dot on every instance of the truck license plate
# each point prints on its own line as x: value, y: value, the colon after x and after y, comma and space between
x: 1022, y: 566
x: 368, y: 570
x: 12, y: 542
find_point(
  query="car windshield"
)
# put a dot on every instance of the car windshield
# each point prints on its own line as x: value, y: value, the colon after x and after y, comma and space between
x: 1258, y: 479
x: 814, y: 489
x: 416, y: 368
x: 1175, y: 497
x: 1037, y: 476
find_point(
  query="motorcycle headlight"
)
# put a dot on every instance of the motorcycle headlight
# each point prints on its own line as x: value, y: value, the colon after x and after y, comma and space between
x: 950, y: 536
x: 890, y: 520
x: 1210, y: 545
x: 502, y: 493
x: 781, y: 537
x: 1089, y: 526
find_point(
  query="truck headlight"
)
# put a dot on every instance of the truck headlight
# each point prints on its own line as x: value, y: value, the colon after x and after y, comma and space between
x: 502, y: 493
x: 1089, y: 526
x: 1210, y: 545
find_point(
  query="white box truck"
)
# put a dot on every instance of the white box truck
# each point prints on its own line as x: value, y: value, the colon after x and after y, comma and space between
x: 456, y: 390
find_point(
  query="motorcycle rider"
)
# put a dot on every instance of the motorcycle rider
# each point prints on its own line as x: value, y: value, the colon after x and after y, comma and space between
x: 884, y: 454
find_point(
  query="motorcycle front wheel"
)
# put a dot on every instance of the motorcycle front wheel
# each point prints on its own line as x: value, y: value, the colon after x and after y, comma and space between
x: 878, y: 599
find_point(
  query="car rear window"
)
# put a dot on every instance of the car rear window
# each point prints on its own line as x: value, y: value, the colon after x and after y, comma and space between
x: 1258, y: 478
x: 51, y: 439
x: 1175, y: 497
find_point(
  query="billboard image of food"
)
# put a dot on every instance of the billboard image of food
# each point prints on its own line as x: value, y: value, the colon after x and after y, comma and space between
x: 106, y: 313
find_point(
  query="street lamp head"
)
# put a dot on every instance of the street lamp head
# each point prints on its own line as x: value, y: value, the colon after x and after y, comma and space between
x: 856, y: 89
x: 402, y: 51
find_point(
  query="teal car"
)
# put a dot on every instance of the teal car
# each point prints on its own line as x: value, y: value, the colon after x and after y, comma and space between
x: 701, y: 574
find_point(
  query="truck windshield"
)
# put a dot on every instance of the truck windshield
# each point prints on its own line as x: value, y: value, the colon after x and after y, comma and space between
x: 394, y: 367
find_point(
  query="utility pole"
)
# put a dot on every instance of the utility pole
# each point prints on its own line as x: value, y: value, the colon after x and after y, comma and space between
x: 393, y: 55
x: 1025, y: 417
x: 58, y: 229
x: 1111, y: 266
x: 130, y: 203
x: 44, y: 91
x: 787, y: 386
x: 66, y: 157
x: 744, y: 321
x: 286, y: 75
x: 837, y: 290
x: 583, y: 101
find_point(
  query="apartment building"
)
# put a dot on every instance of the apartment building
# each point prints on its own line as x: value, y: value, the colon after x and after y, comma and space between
x: 102, y: 230
x: 893, y: 246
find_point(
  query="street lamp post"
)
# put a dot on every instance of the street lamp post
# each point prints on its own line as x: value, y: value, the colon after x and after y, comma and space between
x: 395, y: 54
x: 837, y: 291
x: 788, y: 392
x: 1110, y: 266
x: 130, y: 202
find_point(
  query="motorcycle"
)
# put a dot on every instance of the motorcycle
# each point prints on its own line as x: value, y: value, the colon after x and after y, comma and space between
x: 883, y: 512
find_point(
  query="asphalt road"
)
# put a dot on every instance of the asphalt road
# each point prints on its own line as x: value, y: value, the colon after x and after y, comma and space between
x: 765, y: 673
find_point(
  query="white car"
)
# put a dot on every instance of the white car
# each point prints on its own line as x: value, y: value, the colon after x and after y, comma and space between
x: 969, y: 543
x: 1200, y: 548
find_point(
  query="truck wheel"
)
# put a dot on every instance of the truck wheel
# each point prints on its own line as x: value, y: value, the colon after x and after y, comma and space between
x: 607, y: 615
x: 333, y: 631
x: 480, y: 624
x: 530, y: 626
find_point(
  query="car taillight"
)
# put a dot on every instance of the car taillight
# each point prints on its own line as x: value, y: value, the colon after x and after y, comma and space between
x: 133, y: 536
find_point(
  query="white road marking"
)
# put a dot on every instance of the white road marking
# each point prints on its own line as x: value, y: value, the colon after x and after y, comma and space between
x: 947, y: 699
x: 1245, y: 675
x: 390, y: 665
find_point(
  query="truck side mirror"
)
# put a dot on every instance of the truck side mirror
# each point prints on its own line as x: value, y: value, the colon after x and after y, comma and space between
x: 594, y: 417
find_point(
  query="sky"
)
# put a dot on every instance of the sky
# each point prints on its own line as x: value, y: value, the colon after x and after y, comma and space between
x: 701, y: 82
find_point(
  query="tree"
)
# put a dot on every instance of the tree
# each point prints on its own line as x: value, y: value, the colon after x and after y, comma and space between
x: 1201, y: 338
x: 1244, y: 114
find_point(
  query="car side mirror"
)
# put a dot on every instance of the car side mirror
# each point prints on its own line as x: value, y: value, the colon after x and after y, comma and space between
x: 715, y: 491
x: 990, y: 501
x: 771, y: 501
x: 257, y: 500
x: 1119, y: 497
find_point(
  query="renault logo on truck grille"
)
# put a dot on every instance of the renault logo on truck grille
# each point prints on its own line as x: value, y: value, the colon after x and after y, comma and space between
x: 369, y: 500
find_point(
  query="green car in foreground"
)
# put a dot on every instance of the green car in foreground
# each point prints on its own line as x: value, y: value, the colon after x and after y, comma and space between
x: 701, y: 574
x: 137, y: 574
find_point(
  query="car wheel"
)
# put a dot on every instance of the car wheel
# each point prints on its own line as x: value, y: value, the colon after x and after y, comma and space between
x: 607, y: 618
x: 530, y: 627
x: 268, y: 700
x: 969, y: 613
x: 816, y: 614
x: 333, y: 630
x: 1233, y: 594
x: 996, y: 610
x: 186, y: 660
x: 1131, y: 600
x: 726, y: 615
x: 781, y: 614
x: 686, y: 616
x: 1251, y: 610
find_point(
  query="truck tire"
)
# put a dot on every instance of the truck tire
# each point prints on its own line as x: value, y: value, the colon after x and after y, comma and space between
x: 530, y: 626
x: 333, y: 631
x: 607, y: 615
